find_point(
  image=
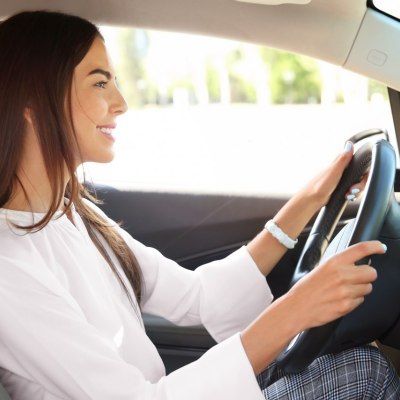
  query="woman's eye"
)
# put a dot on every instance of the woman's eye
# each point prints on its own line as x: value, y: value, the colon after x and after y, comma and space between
x: 101, y: 84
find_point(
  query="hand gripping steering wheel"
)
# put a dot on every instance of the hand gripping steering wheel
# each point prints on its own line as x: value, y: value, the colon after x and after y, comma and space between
x: 378, y: 201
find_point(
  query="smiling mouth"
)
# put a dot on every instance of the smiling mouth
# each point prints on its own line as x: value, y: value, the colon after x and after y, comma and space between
x: 107, y: 131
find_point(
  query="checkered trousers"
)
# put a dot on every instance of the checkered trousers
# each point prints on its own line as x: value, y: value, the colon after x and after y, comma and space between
x: 354, y: 374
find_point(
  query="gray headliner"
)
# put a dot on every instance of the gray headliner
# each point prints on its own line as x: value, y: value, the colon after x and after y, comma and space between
x: 324, y: 29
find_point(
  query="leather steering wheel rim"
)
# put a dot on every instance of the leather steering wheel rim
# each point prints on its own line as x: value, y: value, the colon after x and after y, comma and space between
x: 379, y: 158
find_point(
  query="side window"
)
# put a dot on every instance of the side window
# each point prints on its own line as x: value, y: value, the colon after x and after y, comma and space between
x: 218, y: 116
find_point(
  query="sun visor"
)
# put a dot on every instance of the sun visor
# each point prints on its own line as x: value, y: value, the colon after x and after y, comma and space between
x: 375, y: 52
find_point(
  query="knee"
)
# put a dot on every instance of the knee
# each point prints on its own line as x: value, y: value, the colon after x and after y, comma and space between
x: 372, y: 358
x: 377, y: 367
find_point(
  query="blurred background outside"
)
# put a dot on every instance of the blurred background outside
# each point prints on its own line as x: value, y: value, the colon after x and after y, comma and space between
x: 218, y: 116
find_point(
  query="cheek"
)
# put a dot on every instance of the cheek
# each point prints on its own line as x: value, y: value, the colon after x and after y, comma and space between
x: 88, y: 109
x: 95, y: 107
x: 93, y: 113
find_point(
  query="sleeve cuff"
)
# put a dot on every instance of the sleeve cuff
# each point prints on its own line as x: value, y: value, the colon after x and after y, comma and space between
x: 224, y: 372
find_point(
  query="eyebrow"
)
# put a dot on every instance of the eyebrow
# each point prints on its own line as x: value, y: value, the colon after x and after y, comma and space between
x: 100, y: 71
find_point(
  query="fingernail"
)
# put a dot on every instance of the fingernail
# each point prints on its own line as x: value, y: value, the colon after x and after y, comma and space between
x: 347, y: 147
x: 350, y: 196
x: 355, y: 190
x: 384, y: 247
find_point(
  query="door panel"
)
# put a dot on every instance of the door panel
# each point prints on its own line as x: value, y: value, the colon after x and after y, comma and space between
x: 177, y: 346
x: 186, y: 226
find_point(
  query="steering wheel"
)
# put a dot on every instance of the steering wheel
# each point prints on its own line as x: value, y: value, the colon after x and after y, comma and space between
x: 377, y: 204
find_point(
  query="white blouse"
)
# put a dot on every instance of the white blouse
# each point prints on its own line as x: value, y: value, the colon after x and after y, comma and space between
x: 68, y: 331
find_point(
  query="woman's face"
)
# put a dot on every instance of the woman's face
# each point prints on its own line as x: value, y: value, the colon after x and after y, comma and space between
x: 96, y: 102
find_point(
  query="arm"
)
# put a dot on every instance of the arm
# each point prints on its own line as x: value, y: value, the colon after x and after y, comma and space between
x: 332, y: 290
x: 293, y: 217
x: 54, y: 351
x: 215, y: 295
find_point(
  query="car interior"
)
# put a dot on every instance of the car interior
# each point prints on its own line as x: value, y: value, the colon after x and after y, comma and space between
x: 222, y: 171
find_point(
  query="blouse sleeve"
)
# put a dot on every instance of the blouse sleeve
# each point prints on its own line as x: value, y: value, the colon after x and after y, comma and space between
x: 224, y: 295
x: 45, y: 338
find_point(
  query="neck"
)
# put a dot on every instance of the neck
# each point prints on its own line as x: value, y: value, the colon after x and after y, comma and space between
x: 33, y: 191
x: 32, y: 195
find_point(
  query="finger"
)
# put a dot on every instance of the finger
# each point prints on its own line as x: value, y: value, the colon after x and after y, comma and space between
x: 354, y: 297
x: 348, y: 305
x: 363, y: 181
x: 366, y: 273
x: 356, y: 189
x: 360, y: 274
x: 345, y: 156
x: 361, y: 290
x: 359, y: 251
x: 357, y: 297
x: 356, y: 302
x: 335, y: 170
x: 353, y: 193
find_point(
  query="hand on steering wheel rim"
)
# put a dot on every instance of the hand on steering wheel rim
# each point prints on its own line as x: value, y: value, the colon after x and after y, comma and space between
x: 379, y: 158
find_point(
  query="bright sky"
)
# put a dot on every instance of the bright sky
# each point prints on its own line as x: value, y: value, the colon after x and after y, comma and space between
x: 390, y: 6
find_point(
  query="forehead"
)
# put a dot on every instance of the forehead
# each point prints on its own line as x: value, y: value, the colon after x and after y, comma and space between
x: 96, y: 57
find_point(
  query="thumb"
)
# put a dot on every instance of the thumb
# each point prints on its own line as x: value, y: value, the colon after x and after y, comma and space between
x: 344, y: 158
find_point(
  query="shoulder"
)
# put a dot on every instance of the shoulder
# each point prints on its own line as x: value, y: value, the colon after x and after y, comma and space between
x: 143, y: 253
x: 99, y: 212
x: 94, y: 207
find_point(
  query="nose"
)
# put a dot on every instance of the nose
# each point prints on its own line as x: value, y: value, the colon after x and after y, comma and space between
x: 119, y: 105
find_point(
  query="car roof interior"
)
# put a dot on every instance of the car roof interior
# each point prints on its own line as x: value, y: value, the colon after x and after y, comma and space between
x: 344, y: 33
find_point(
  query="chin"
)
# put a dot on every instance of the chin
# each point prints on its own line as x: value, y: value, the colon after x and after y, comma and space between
x: 101, y: 157
x: 105, y: 159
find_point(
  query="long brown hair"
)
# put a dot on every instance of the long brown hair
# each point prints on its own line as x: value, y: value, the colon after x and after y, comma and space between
x: 39, y: 51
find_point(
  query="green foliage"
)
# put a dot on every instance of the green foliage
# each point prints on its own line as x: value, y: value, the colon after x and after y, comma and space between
x: 242, y: 90
x: 237, y: 71
x: 294, y: 79
x: 376, y: 87
x: 213, y: 82
x: 133, y: 46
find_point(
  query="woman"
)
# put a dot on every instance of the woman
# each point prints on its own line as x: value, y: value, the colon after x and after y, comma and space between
x: 74, y: 284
